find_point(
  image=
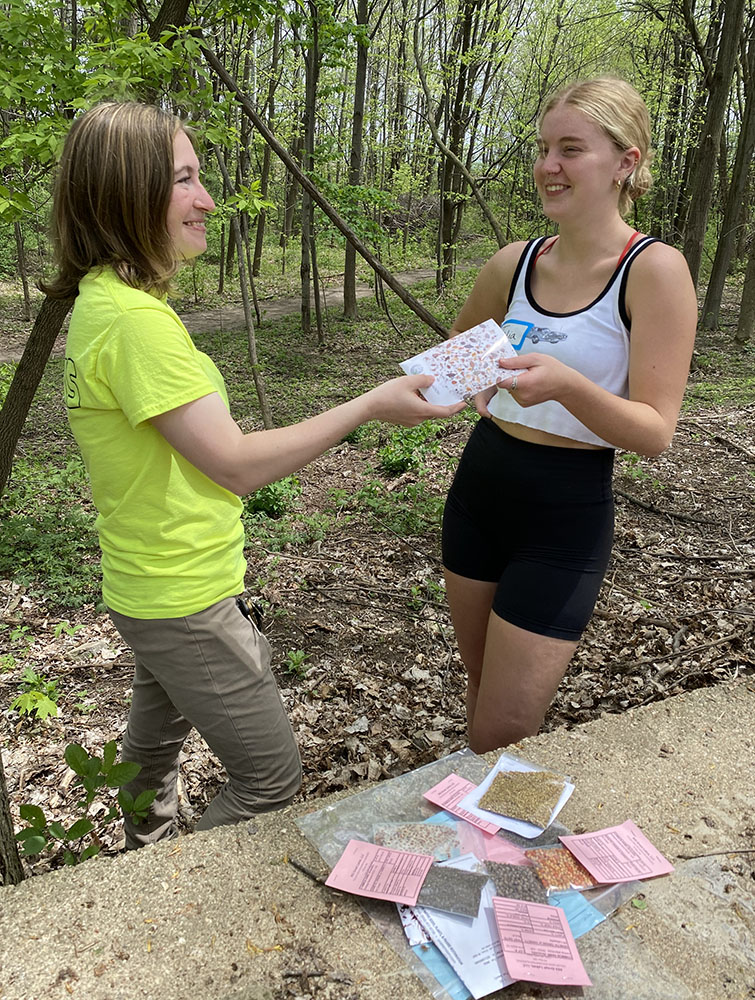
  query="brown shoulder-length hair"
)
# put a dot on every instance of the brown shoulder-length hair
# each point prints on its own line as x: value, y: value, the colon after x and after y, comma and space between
x: 112, y: 191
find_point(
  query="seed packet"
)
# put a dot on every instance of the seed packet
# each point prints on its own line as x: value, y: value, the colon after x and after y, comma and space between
x: 439, y: 839
x: 559, y: 870
x: 464, y: 365
x: 527, y: 795
x: 516, y: 882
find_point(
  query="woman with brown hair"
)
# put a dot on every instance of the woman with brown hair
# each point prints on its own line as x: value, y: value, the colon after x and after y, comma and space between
x: 168, y: 463
x: 603, y: 321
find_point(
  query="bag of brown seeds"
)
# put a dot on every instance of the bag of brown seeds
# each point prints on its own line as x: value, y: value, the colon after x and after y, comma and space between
x: 559, y: 870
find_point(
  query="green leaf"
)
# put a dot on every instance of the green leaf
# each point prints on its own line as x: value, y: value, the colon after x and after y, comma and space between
x: 27, y: 833
x: 121, y: 774
x: 70, y: 858
x: 108, y: 756
x: 77, y: 758
x: 90, y: 852
x: 57, y: 830
x: 144, y: 800
x: 44, y: 706
x: 33, y: 845
x: 93, y: 766
x: 34, y: 815
x: 640, y: 903
x: 125, y: 800
x: 80, y: 828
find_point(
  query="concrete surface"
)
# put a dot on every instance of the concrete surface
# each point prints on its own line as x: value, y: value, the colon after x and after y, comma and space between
x: 223, y: 916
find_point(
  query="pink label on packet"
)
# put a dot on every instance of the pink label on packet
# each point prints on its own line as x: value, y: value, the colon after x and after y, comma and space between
x: 617, y: 854
x: 380, y: 872
x: 538, y: 944
x: 448, y: 793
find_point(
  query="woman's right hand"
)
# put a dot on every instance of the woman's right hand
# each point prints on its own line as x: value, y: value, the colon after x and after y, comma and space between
x: 482, y: 399
x: 399, y: 402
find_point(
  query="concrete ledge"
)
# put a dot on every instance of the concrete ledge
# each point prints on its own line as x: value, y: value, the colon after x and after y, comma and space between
x: 222, y: 916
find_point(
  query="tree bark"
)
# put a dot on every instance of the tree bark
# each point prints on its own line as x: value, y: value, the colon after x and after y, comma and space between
x: 746, y: 326
x: 265, y: 173
x: 259, y: 384
x: 46, y: 328
x: 355, y: 162
x: 23, y: 274
x: 11, y: 869
x: 704, y: 167
x: 172, y: 14
x: 311, y: 56
x: 248, y: 108
x: 742, y: 163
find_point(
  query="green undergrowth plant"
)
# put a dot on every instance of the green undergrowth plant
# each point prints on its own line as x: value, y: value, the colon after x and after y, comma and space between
x: 98, y: 777
x: 429, y: 591
x: 38, y: 697
x: 295, y: 663
x: 48, y: 543
x: 412, y: 510
x: 275, y: 499
x: 632, y: 466
x: 408, y: 447
x: 291, y: 530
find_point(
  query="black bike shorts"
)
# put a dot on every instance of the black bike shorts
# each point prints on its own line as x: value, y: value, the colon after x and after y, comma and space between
x: 538, y: 521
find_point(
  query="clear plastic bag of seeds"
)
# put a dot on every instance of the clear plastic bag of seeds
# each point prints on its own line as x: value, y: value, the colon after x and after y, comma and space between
x: 559, y: 870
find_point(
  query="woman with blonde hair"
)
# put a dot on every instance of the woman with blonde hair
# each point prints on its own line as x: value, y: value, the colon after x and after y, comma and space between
x: 603, y: 321
x: 168, y: 463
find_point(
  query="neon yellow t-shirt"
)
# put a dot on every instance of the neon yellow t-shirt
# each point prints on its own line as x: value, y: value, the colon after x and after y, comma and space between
x: 172, y: 540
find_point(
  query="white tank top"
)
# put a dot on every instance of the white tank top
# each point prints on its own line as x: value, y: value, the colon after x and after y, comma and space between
x: 593, y: 341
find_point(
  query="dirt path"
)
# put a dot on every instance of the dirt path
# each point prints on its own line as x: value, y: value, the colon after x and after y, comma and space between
x: 232, y: 317
x: 14, y: 333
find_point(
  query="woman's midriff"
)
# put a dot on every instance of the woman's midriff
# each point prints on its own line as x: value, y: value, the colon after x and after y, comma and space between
x: 535, y: 436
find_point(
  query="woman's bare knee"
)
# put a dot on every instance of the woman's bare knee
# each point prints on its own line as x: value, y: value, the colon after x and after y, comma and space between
x: 485, y: 736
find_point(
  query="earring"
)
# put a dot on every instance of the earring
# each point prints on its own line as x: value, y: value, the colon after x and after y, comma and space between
x: 618, y: 183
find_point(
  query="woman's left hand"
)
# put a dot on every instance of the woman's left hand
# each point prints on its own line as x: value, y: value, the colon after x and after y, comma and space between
x: 544, y: 378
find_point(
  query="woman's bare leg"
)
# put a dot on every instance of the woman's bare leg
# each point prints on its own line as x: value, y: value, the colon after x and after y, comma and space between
x: 512, y: 674
x: 520, y: 674
x: 470, y: 602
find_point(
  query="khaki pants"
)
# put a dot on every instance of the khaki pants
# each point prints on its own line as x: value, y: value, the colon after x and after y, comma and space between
x: 210, y: 671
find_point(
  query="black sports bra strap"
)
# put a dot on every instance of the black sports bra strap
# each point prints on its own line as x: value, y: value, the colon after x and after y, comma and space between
x: 532, y: 245
x: 633, y: 252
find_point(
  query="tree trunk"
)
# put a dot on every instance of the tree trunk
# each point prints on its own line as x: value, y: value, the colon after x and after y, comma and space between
x: 746, y: 326
x: 311, y: 54
x: 292, y: 193
x: 259, y: 384
x: 11, y: 869
x: 21, y: 258
x: 265, y: 173
x: 743, y: 160
x: 172, y: 14
x: 355, y: 163
x: 46, y: 328
x: 704, y: 167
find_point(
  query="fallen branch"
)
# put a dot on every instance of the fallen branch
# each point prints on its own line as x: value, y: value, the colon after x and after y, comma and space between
x: 631, y: 664
x: 652, y: 509
x: 714, y: 854
x: 727, y: 442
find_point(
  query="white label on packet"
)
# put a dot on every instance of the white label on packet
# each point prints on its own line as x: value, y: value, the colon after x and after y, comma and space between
x: 464, y: 365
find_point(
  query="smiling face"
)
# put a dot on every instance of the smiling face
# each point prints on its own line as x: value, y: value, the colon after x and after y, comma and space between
x: 578, y: 166
x: 189, y: 202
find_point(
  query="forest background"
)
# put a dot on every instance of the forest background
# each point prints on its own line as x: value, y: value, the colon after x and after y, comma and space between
x: 343, y: 144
